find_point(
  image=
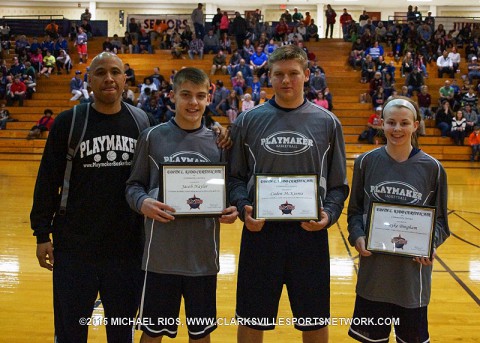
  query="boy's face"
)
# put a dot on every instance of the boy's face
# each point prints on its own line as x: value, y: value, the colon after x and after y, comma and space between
x: 287, y: 78
x: 190, y: 102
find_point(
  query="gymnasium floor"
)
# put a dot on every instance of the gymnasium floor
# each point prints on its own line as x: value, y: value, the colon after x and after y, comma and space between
x: 26, y: 290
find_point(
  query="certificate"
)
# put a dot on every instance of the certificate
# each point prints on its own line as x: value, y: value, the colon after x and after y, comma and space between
x: 194, y: 189
x: 403, y: 230
x: 286, y: 197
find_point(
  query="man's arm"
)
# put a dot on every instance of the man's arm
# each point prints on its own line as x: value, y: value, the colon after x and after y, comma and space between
x: 46, y: 197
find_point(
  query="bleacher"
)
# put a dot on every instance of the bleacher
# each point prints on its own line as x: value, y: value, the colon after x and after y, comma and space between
x: 344, y: 84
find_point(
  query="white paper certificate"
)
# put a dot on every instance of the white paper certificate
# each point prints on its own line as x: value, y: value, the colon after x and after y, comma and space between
x: 401, y: 229
x: 286, y: 197
x: 194, y: 189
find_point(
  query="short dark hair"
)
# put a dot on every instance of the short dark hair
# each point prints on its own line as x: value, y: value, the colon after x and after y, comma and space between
x: 47, y: 110
x: 194, y: 75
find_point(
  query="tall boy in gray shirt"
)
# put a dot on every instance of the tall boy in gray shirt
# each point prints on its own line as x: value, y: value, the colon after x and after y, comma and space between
x: 286, y: 135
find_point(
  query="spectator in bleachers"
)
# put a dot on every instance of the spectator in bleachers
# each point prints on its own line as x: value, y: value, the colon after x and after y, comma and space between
x: 281, y: 30
x: 312, y: 31
x: 36, y: 59
x: 381, y: 65
x: 419, y: 62
x: 128, y: 95
x: 18, y: 90
x: 473, y: 69
x: 4, y: 117
x: 471, y: 116
x: 247, y: 51
x: 148, y: 83
x: 133, y: 29
x: 219, y: 105
x: 455, y: 57
x: 47, y: 45
x: 239, y: 84
x: 28, y: 79
x: 470, y: 98
x: 52, y: 30
x: 458, y: 128
x: 374, y: 125
x: 345, y: 21
x: 198, y: 21
x: 297, y: 17
x: 317, y: 81
x: 424, y: 34
x: 87, y: 28
x: 127, y: 43
x: 474, y: 142
x: 143, y: 98
x: 130, y: 74
x: 144, y: 44
x: 470, y: 51
x: 357, y: 52
x: 424, y: 100
x: 21, y: 44
x: 234, y: 62
x: 286, y: 16
x: 3, y: 85
x: 414, y: 81
x: 247, y: 102
x: 368, y: 69
x: 48, y: 64
x: 263, y: 98
x: 407, y: 64
x: 116, y: 44
x: 34, y: 46
x: 63, y: 61
x: 107, y: 45
x: 81, y: 44
x: 362, y: 20
x: 270, y: 47
x: 388, y: 84
x: 154, y: 106
x: 210, y: 42
x: 443, y: 118
x: 330, y: 16
x: 76, y: 87
x: 245, y: 69
x: 195, y: 47
x: 43, y: 124
x: 224, y: 23
x: 447, y: 93
x: 225, y: 43
x: 397, y: 49
x: 233, y: 106
x: 320, y: 100
x: 219, y: 63
x: 239, y: 29
x: 294, y: 36
x: 256, y: 88
x: 301, y: 30
x: 86, y: 15
x: 403, y: 92
x: 177, y: 48
x: 378, y: 97
x: 367, y: 38
x: 187, y: 35
x: 258, y: 64
x: 60, y: 44
x: 380, y: 33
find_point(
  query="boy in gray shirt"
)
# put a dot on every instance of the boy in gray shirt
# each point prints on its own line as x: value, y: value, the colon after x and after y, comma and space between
x: 181, y: 254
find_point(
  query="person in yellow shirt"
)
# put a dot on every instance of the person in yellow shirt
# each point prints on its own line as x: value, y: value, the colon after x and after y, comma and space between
x: 48, y: 64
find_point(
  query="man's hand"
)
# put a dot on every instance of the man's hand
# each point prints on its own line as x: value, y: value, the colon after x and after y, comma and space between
x: 223, y: 140
x: 156, y: 210
x: 229, y: 215
x: 316, y: 226
x: 253, y: 225
x: 45, y: 255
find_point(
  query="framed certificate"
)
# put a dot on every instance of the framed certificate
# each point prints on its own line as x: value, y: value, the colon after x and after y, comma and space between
x: 403, y: 230
x: 286, y: 197
x: 194, y: 189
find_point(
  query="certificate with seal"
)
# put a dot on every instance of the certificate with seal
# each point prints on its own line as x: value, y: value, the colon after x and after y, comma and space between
x: 194, y: 189
x: 286, y: 197
x: 403, y: 230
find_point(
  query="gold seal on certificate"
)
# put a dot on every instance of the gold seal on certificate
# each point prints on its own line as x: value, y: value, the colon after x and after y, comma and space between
x: 194, y: 189
x: 399, y: 229
x: 286, y: 197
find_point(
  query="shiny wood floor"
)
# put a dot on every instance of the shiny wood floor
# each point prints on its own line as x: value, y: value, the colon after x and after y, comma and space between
x: 26, y: 289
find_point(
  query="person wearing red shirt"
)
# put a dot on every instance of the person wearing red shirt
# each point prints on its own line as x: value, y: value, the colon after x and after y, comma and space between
x: 17, y: 92
x: 43, y: 124
x: 345, y: 21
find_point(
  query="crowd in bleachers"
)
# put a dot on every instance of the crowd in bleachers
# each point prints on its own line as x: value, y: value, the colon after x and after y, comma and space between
x: 409, y: 49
